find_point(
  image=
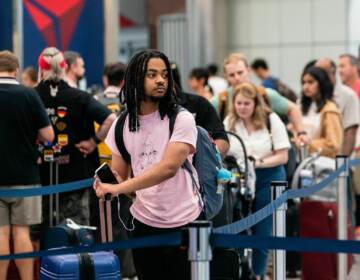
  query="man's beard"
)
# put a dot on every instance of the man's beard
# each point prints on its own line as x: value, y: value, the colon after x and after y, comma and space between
x: 79, y: 77
x: 154, y: 99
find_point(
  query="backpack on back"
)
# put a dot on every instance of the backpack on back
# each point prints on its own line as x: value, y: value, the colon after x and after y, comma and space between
x: 206, y: 160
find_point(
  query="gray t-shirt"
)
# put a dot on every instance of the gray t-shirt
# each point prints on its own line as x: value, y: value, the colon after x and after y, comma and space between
x: 348, y: 103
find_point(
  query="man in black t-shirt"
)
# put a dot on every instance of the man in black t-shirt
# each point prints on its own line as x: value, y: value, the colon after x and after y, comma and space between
x: 72, y: 113
x: 206, y: 117
x: 23, y: 120
x: 203, y: 112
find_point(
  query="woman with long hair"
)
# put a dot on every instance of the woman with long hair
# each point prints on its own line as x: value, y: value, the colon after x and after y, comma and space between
x: 321, y: 117
x: 267, y: 144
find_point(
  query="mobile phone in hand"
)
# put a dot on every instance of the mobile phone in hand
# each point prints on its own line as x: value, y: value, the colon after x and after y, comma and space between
x: 105, y: 174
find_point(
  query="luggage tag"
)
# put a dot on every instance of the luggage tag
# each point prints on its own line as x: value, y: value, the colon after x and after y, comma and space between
x: 71, y: 224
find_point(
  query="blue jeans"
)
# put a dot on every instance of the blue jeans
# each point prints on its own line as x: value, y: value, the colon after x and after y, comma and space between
x: 264, y: 177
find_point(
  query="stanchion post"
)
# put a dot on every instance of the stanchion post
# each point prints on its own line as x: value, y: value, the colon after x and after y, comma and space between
x: 51, y: 201
x: 279, y: 230
x: 57, y: 209
x: 200, y: 253
x: 342, y: 212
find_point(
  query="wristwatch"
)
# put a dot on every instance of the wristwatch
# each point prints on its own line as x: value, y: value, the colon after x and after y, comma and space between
x: 301, y: 133
x: 96, y: 140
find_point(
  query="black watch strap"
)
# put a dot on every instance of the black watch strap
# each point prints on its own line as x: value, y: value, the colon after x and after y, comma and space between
x: 96, y: 140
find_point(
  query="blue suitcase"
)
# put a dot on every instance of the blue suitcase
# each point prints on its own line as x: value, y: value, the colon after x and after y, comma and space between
x: 98, y: 265
x: 87, y: 266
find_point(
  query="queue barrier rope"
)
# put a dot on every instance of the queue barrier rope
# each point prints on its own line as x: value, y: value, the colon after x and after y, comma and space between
x: 285, y: 243
x: 172, y: 239
x: 258, y: 216
x: 226, y: 236
x: 216, y: 240
x: 46, y: 190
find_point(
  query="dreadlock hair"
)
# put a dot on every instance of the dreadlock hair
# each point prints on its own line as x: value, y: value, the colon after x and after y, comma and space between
x: 133, y: 91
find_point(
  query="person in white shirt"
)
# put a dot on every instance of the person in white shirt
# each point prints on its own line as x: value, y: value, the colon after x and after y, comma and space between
x: 267, y: 143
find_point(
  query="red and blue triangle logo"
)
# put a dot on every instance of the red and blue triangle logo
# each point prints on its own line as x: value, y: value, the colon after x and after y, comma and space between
x: 56, y: 20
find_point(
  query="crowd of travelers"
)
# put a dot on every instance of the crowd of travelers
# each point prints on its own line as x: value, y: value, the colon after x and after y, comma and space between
x: 46, y: 118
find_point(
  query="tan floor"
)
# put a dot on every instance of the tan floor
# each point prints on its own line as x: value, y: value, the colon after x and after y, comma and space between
x: 355, y: 271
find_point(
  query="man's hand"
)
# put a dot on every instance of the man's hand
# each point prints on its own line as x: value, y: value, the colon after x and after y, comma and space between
x: 101, y: 189
x: 86, y: 146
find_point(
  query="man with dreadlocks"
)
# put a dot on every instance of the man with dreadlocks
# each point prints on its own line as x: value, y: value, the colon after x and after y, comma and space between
x: 165, y: 197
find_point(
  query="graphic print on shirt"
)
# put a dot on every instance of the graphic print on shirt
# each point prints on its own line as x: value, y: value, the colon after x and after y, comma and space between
x: 147, y: 156
x: 58, y: 117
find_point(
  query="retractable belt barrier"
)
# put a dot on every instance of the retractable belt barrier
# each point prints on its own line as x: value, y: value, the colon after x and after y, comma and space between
x: 295, y: 244
x: 46, y: 190
x: 226, y: 236
x: 269, y: 209
x: 216, y: 240
x: 173, y: 239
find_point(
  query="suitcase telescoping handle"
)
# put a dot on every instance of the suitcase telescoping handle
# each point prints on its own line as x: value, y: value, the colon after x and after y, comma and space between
x: 106, y: 219
x: 105, y: 174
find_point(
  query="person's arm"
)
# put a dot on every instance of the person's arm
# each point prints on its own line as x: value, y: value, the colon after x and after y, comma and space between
x: 207, y: 118
x: 45, y: 131
x: 283, y: 106
x: 175, y: 155
x: 280, y: 141
x: 105, y: 126
x: 349, y: 140
x: 88, y: 146
x: 222, y: 145
x: 279, y: 157
x: 120, y: 167
x: 46, y: 134
x: 295, y: 118
x: 330, y: 140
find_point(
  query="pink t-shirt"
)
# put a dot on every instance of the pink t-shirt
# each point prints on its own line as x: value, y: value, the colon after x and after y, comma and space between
x: 174, y: 202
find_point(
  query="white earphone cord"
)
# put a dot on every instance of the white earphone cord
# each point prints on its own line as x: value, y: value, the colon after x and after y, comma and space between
x: 121, y: 221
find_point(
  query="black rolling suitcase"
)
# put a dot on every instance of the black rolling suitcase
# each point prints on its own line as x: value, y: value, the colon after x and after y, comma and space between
x: 231, y: 264
x: 225, y: 265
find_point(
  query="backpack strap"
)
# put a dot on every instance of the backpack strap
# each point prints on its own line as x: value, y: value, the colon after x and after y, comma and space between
x: 172, y: 119
x: 268, y: 126
x: 119, y: 139
x: 186, y: 165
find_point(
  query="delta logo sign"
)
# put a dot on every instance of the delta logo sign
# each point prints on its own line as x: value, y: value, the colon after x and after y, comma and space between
x: 76, y: 25
x: 45, y: 14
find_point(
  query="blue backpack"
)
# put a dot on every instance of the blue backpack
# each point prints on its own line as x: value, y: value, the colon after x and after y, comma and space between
x: 207, y: 162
